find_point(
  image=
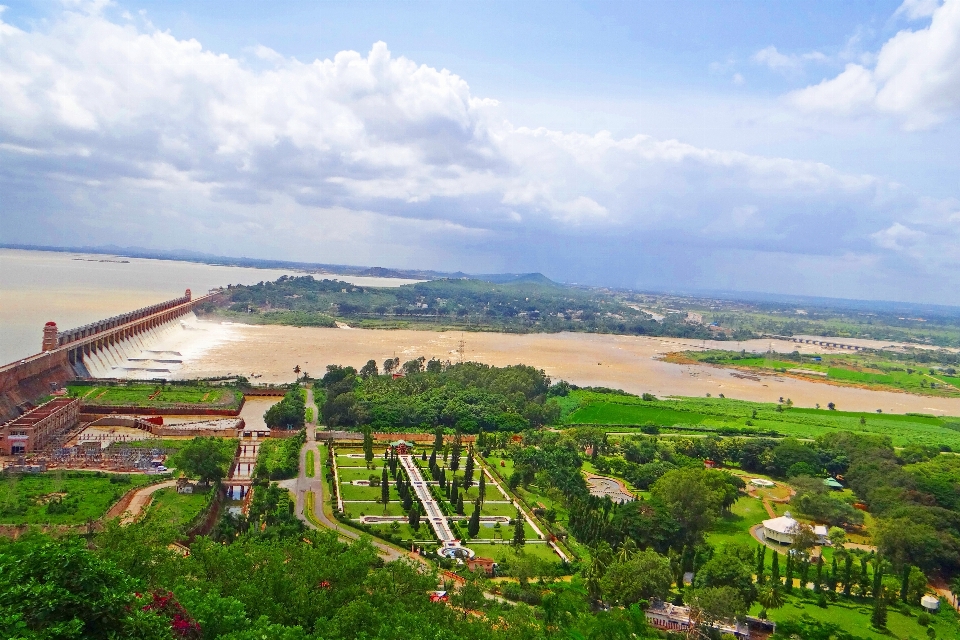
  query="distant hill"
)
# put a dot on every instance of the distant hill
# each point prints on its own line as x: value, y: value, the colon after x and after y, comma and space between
x: 504, y: 278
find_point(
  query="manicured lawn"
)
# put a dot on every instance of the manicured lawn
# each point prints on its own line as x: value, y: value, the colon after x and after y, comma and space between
x: 854, y: 617
x: 406, y: 532
x: 152, y: 395
x: 735, y: 527
x: 354, y: 492
x: 357, y: 509
x: 177, y: 509
x: 344, y: 461
x: 82, y: 496
x: 348, y: 474
x: 500, y: 551
x: 310, y: 463
x: 496, y: 509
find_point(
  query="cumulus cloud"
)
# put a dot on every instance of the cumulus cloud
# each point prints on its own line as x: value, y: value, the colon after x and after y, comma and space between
x: 917, y: 9
x: 124, y: 133
x: 777, y: 61
x: 916, y: 77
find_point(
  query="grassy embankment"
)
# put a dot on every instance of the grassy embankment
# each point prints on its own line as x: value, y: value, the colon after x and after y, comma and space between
x: 861, y: 370
x: 176, y: 509
x: 153, y: 395
x: 725, y: 416
x: 62, y: 497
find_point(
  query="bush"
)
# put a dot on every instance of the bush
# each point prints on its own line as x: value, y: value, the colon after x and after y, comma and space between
x: 923, y: 619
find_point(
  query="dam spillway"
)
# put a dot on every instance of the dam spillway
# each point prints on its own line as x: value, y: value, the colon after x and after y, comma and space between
x: 114, y: 347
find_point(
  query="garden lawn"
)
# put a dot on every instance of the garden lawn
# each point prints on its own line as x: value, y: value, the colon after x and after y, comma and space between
x: 85, y: 496
x: 735, y: 527
x: 349, y: 474
x: 500, y: 551
x: 350, y: 492
x: 177, y: 509
x: 854, y: 617
x: 357, y: 509
x: 310, y: 463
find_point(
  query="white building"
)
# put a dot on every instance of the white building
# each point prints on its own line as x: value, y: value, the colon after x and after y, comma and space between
x: 784, y: 528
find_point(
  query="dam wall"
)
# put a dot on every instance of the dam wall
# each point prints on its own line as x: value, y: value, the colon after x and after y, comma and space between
x: 90, y: 351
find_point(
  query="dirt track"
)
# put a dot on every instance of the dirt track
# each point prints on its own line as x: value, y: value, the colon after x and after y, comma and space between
x: 626, y: 362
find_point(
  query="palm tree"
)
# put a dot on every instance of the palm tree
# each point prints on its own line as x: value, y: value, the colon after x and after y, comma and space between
x: 770, y: 597
x: 955, y: 589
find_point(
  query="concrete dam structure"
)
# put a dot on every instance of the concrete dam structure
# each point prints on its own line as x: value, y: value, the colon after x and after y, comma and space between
x: 95, y: 350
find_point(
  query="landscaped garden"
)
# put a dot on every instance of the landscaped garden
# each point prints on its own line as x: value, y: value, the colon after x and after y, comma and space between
x: 176, y: 509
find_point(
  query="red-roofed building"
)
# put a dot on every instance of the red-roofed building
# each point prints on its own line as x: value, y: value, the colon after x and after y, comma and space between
x: 39, y: 427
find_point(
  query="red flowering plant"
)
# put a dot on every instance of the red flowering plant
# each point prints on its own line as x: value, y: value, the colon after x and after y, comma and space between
x: 164, y: 603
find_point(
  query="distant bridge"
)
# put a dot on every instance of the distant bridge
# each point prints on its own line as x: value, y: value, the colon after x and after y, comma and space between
x: 822, y: 343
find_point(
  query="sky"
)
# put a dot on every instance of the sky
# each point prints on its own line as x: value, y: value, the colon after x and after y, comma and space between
x: 807, y: 148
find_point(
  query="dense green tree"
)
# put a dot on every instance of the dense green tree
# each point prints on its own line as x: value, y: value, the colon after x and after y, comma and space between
x: 468, y: 470
x: 644, y: 576
x: 289, y: 413
x: 58, y: 589
x: 730, y: 566
x: 206, y: 458
x: 482, y: 488
x: 384, y: 489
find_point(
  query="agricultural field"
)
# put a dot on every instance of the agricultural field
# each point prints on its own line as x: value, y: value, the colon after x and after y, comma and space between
x: 176, y: 509
x: 624, y: 413
x: 868, y: 370
x: 153, y: 395
x: 62, y: 497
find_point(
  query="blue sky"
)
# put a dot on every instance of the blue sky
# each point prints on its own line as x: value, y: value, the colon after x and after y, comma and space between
x: 793, y: 147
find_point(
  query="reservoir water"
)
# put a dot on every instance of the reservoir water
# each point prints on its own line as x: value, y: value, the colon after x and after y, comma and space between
x: 73, y: 289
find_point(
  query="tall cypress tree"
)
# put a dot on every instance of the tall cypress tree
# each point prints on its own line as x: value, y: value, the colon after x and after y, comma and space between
x: 482, y: 488
x: 473, y: 528
x: 789, y: 583
x: 459, y: 503
x: 864, y: 577
x: 818, y: 581
x: 455, y: 453
x: 775, y: 569
x: 761, y: 558
x: 848, y: 574
x: 468, y: 470
x: 384, y: 489
x: 455, y: 489
x: 519, y: 536
x: 834, y: 575
x: 413, y: 517
x: 367, y: 446
x: 804, y: 573
x: 905, y: 583
x: 879, y: 616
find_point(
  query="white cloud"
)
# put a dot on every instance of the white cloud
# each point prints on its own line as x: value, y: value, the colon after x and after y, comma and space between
x: 916, y: 77
x: 777, y: 61
x: 917, y: 9
x: 123, y: 133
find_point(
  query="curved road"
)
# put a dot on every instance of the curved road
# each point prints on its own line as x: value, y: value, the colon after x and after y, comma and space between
x: 302, y: 484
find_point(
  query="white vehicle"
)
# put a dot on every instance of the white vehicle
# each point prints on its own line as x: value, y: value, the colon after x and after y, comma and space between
x: 162, y: 469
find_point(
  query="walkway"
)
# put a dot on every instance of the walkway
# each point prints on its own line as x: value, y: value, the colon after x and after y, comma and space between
x: 434, y: 515
x: 141, y: 499
x: 301, y: 484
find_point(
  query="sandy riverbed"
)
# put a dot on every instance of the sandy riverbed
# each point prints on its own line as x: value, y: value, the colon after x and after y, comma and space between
x: 624, y: 362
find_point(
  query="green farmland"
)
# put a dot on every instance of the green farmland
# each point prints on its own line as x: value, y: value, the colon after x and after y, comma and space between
x: 152, y: 395
x: 870, y: 370
x: 738, y: 417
